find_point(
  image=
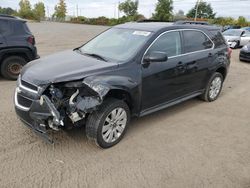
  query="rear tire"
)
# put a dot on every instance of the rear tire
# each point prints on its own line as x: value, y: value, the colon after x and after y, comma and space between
x: 102, y: 126
x: 11, y: 67
x: 213, y: 88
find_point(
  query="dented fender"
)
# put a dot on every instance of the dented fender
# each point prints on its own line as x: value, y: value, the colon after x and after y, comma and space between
x: 103, y: 84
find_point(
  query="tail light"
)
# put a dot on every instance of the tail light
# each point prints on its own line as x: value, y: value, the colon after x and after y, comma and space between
x: 31, y: 40
x: 229, y: 52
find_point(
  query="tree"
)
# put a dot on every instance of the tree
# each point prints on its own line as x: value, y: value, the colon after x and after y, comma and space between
x: 8, y: 11
x: 164, y: 10
x: 204, y: 11
x: 129, y: 7
x: 60, y: 10
x: 224, y: 21
x: 39, y: 11
x: 242, y: 21
x: 25, y: 9
x: 179, y: 16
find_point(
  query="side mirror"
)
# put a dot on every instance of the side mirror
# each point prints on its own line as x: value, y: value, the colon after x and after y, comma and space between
x: 155, y: 56
x: 244, y: 35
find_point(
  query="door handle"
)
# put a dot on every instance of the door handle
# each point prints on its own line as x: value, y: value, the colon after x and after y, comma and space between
x: 210, y: 55
x: 180, y: 68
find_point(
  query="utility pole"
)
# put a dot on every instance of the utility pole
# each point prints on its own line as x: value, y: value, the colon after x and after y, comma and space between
x: 196, y: 11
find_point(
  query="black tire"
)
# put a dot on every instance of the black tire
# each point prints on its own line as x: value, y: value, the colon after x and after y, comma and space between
x: 96, y: 120
x: 206, y: 95
x: 11, y: 67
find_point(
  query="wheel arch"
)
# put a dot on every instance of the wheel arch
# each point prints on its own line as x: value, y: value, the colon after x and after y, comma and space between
x: 223, y: 71
x: 22, y: 52
x: 121, y: 95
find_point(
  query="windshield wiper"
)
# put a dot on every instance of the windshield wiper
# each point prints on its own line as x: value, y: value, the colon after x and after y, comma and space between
x: 96, y: 56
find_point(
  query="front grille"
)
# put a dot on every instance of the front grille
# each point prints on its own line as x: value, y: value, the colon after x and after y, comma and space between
x: 28, y: 85
x: 23, y: 101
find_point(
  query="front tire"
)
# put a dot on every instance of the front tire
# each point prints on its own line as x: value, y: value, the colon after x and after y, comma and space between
x: 213, y: 88
x: 11, y: 67
x: 107, y: 125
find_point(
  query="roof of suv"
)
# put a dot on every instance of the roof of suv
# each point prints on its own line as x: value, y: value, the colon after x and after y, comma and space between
x: 12, y: 18
x: 157, y: 26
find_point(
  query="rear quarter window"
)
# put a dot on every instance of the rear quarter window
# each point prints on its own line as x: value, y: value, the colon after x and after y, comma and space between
x: 218, y: 38
x: 196, y: 41
x: 20, y: 27
x: 5, y: 28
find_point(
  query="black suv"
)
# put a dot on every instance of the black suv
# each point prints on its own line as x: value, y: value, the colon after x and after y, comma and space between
x: 17, y: 46
x: 132, y: 69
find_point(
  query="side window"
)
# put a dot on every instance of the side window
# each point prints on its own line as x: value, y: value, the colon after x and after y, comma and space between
x: 169, y: 43
x: 195, y: 41
x: 4, y: 27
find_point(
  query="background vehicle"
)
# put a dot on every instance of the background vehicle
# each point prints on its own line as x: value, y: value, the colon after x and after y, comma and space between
x: 246, y: 28
x: 231, y: 27
x: 17, y: 46
x: 237, y: 37
x: 132, y: 69
x: 245, y: 53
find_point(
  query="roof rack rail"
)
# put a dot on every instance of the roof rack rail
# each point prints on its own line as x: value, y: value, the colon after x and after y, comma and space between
x: 148, y: 20
x: 182, y: 22
x: 7, y: 16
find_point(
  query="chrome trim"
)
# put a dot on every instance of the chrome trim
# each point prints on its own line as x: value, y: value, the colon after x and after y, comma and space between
x: 26, y: 88
x: 179, y: 30
x: 16, y: 101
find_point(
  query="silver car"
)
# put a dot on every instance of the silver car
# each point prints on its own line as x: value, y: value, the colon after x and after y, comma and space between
x: 236, y: 37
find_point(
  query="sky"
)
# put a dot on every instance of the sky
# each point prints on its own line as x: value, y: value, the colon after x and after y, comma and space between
x: 108, y: 8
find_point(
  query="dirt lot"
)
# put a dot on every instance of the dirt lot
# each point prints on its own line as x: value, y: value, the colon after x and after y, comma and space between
x: 195, y: 144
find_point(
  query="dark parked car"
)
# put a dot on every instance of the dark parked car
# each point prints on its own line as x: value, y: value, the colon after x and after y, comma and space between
x: 245, y: 53
x: 132, y: 69
x: 17, y: 46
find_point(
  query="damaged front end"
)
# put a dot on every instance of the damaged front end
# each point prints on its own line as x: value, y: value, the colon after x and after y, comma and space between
x: 59, y: 106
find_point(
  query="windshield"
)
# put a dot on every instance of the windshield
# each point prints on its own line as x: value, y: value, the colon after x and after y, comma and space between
x: 116, y: 44
x: 233, y: 32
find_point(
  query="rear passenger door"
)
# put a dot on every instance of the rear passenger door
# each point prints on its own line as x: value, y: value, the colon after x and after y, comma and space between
x: 198, y: 54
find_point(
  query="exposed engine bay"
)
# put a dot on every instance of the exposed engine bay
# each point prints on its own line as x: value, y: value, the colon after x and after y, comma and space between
x: 67, y: 104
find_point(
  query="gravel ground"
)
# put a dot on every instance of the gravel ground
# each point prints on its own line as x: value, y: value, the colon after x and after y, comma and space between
x: 194, y: 144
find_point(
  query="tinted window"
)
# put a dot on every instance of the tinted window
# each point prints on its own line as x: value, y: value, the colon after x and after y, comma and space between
x: 195, y: 41
x: 4, y: 27
x: 169, y: 43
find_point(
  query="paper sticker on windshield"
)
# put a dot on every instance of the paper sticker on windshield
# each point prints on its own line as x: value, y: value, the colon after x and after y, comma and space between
x: 142, y: 33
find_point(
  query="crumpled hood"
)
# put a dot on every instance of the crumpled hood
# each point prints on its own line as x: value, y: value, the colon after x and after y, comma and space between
x: 63, y: 66
x: 231, y: 38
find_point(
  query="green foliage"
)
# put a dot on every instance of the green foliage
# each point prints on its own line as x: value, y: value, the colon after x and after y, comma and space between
x: 204, y: 11
x: 242, y: 21
x: 25, y: 10
x: 39, y: 11
x: 8, y: 11
x: 224, y: 21
x: 106, y: 21
x: 60, y: 10
x: 129, y: 7
x: 164, y: 10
